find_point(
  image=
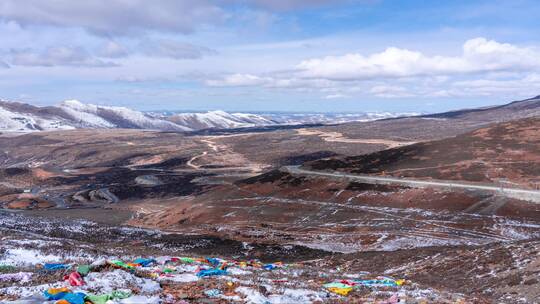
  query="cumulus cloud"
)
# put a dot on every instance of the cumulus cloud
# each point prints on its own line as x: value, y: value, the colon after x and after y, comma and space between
x: 484, y: 68
x: 56, y: 56
x: 114, y: 17
x: 239, y: 80
x: 249, y: 80
x: 479, y: 55
x: 174, y: 49
x: 3, y: 65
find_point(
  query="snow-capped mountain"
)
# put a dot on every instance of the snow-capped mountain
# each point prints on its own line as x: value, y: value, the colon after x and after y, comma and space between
x: 92, y: 116
x: 23, y: 117
x: 219, y: 120
x: 73, y: 114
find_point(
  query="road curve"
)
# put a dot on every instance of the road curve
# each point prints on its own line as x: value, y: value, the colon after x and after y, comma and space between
x: 523, y: 194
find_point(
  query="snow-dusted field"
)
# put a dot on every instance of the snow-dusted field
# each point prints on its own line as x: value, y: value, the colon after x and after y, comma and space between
x: 173, y: 273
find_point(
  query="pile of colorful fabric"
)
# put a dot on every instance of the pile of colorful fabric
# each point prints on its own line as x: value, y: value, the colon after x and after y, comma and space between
x: 344, y: 287
x: 75, y: 289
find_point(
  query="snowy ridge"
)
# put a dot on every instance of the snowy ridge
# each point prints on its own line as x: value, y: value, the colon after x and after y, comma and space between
x: 73, y: 114
x: 20, y: 121
x: 92, y: 116
x: 220, y: 120
x: 84, y: 115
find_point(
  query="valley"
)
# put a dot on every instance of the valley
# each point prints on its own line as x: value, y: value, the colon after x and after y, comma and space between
x: 417, y: 198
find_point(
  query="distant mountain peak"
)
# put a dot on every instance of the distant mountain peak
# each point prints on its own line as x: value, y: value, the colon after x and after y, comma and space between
x: 74, y: 114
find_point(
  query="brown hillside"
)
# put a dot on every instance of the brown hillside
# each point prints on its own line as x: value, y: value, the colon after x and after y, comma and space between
x: 507, y: 153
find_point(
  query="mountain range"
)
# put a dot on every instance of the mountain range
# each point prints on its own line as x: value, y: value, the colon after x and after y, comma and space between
x: 73, y: 114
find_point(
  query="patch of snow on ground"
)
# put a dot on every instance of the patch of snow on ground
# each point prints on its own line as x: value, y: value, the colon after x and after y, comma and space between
x: 183, y: 278
x: 106, y: 282
x: 289, y: 295
x: 141, y: 299
x: 22, y: 257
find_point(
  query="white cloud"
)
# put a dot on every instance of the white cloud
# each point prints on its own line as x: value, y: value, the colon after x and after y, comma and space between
x: 336, y: 96
x: 114, y: 17
x: 250, y: 80
x: 130, y: 17
x: 479, y: 55
x: 3, y: 65
x: 239, y: 80
x: 484, y: 68
x: 56, y: 56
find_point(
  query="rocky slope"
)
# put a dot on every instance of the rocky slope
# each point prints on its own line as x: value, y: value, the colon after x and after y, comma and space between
x: 505, y: 153
x: 438, y: 126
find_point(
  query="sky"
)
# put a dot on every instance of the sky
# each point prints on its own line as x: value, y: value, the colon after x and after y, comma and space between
x: 271, y: 55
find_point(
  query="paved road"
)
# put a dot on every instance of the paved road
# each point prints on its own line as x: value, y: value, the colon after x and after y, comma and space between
x: 525, y: 194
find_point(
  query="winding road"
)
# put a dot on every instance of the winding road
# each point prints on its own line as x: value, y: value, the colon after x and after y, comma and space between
x: 523, y: 194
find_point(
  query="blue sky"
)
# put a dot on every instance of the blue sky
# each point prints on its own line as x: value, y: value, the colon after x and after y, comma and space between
x: 271, y: 55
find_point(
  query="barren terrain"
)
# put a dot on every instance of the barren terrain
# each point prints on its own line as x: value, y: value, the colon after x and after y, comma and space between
x: 506, y: 153
x: 233, y: 194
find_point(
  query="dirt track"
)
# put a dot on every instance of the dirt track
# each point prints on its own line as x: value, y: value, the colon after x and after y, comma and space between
x: 339, y: 137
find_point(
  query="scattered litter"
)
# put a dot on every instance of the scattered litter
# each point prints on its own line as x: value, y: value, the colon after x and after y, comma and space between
x: 64, y: 296
x: 83, y: 269
x: 74, y: 279
x: 212, y: 293
x: 344, y: 287
x: 339, y: 288
x: 380, y: 282
x: 155, y: 280
x: 187, y: 260
x: 104, y: 298
x: 272, y: 266
x: 144, y: 262
x: 55, y: 293
x: 211, y: 272
x: 54, y: 266
x: 120, y: 264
